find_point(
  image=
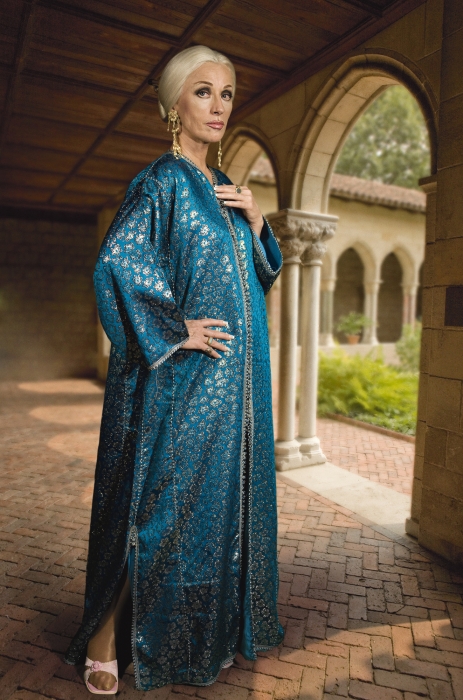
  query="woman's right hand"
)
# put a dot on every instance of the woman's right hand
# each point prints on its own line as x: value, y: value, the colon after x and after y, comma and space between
x: 199, y: 334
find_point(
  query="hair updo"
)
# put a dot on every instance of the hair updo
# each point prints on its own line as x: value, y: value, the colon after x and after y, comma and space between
x: 179, y: 68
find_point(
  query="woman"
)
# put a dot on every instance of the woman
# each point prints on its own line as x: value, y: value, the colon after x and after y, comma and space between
x: 184, y: 509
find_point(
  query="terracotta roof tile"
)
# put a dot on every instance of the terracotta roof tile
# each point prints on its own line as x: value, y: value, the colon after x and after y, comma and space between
x: 348, y: 187
x: 373, y: 192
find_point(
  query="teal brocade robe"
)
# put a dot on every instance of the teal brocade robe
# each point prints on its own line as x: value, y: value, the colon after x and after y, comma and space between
x: 185, y: 489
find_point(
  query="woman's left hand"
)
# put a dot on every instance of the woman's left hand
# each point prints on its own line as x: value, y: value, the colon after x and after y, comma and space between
x: 242, y: 200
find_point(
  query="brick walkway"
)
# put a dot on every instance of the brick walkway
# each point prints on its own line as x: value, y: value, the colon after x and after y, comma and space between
x: 381, y: 458
x: 365, y: 617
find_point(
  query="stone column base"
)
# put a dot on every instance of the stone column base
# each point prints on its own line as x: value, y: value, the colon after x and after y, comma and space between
x: 311, y: 452
x: 412, y: 527
x: 287, y: 455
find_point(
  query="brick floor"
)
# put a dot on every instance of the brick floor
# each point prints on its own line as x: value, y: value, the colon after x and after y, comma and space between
x: 366, y: 617
x: 381, y: 458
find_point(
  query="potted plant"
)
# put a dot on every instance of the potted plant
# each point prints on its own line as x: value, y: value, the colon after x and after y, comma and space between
x: 352, y: 325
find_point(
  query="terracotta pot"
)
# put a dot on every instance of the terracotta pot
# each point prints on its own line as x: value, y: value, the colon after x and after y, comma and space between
x: 352, y: 339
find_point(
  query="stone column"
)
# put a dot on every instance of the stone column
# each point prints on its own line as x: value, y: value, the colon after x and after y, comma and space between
x: 298, y: 231
x: 409, y: 308
x: 371, y: 311
x: 318, y: 228
x: 327, y: 288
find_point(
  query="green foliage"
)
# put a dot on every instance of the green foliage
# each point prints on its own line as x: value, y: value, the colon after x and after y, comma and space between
x: 389, y: 142
x: 408, y: 348
x: 353, y: 323
x: 367, y: 389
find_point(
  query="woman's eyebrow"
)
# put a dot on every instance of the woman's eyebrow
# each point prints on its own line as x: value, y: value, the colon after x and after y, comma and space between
x: 205, y: 82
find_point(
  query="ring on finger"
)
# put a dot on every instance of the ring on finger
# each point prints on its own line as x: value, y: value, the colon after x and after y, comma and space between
x: 210, y: 340
x: 238, y: 189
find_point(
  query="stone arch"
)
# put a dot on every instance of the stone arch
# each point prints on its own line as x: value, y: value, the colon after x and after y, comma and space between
x: 346, y: 95
x: 390, y: 299
x: 349, y: 292
x: 370, y: 263
x: 241, y: 147
x: 409, y: 268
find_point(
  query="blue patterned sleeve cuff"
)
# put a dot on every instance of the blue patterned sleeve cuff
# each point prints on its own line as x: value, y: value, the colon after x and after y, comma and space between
x: 268, y: 259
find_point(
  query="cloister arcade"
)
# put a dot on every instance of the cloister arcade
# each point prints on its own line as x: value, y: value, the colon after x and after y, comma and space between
x: 301, y: 121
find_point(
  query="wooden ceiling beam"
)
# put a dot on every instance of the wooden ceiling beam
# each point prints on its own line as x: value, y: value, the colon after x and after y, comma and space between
x: 331, y: 53
x: 98, y: 18
x: 62, y: 80
x: 20, y: 53
x: 371, y: 7
x: 202, y: 17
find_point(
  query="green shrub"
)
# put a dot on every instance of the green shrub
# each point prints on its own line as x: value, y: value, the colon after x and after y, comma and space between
x: 367, y: 389
x: 408, y: 347
x: 353, y: 323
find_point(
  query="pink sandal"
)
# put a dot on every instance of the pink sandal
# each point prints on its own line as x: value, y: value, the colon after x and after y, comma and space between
x: 93, y: 667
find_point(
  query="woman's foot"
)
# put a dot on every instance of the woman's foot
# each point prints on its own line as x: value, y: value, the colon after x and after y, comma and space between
x: 96, y: 679
x: 102, y: 680
x: 102, y: 645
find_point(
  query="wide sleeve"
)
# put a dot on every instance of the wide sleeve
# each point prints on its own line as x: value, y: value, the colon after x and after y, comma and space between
x: 268, y: 259
x: 133, y: 281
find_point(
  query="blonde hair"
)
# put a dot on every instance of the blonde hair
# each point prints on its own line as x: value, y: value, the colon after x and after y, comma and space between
x: 180, y: 67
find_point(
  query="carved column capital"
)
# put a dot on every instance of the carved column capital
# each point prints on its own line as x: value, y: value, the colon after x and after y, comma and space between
x: 302, y: 235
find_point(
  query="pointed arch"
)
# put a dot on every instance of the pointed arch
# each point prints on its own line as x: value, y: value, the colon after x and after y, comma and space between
x: 345, y: 96
x: 241, y: 147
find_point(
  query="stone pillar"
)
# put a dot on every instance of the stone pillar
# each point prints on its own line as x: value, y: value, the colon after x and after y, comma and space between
x: 412, y: 524
x: 319, y: 228
x: 298, y: 231
x: 409, y: 308
x: 327, y: 288
x: 371, y: 311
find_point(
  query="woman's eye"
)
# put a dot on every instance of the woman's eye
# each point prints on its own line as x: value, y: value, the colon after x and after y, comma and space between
x: 227, y: 95
x: 202, y: 92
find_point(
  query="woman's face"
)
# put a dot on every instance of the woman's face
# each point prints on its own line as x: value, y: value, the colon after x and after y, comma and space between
x: 205, y: 103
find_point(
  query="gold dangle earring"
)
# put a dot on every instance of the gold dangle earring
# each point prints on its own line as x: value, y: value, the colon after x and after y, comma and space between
x: 219, y: 154
x: 174, y: 123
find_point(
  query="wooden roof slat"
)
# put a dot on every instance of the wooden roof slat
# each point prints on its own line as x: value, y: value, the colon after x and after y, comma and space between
x: 68, y: 105
x: 28, y: 178
x: 47, y: 159
x: 327, y: 55
x: 22, y: 45
x: 277, y: 29
x: 132, y: 148
x: 78, y: 199
x: 371, y: 7
x: 99, y: 166
x: 108, y: 21
x: 202, y: 17
x: 85, y: 118
x: 20, y: 193
x: 47, y: 133
x: 316, y: 13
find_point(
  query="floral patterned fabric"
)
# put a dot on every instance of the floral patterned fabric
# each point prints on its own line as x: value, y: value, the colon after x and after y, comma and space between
x: 185, y: 491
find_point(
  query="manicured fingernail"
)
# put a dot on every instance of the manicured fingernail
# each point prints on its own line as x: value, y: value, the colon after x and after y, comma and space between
x: 231, y: 336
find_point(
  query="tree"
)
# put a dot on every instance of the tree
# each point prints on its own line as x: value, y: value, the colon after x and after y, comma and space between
x: 389, y: 142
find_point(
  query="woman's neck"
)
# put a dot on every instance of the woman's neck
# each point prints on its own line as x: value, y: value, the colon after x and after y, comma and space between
x: 197, y: 153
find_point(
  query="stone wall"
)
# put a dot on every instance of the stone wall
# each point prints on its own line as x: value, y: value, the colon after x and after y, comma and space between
x: 47, y: 306
x: 438, y: 487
